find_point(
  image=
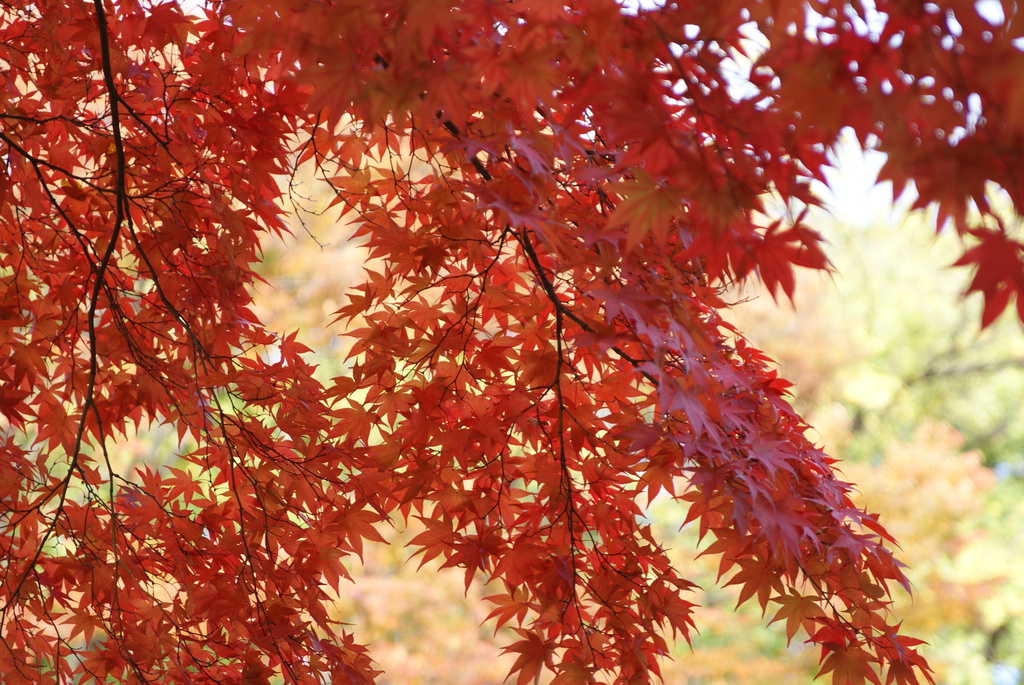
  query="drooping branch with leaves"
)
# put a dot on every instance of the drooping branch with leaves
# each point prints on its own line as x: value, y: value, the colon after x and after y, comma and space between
x: 552, y: 197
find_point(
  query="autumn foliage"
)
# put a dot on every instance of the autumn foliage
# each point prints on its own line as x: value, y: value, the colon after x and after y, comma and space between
x: 552, y: 196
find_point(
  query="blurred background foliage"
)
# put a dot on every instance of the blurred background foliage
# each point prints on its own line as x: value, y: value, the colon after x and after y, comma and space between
x: 927, y: 413
x: 891, y: 370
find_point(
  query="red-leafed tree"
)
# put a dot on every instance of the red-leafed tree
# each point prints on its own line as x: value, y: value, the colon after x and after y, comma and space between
x: 552, y: 195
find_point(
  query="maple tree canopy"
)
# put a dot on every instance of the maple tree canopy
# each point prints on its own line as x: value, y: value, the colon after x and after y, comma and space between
x: 552, y: 195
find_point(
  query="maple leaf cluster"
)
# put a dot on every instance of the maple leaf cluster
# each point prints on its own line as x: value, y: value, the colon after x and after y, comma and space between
x: 552, y: 196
